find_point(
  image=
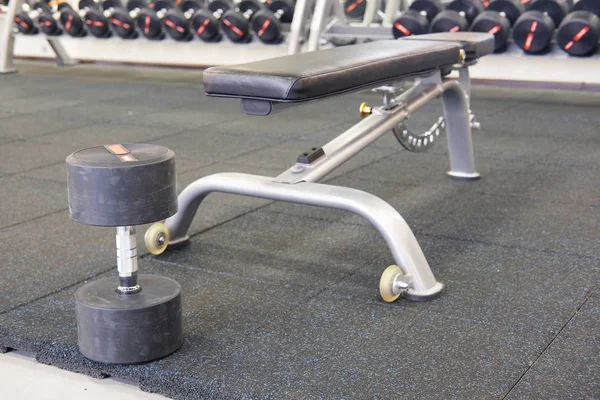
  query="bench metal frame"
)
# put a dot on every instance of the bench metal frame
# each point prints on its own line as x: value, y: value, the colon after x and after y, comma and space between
x: 299, y: 183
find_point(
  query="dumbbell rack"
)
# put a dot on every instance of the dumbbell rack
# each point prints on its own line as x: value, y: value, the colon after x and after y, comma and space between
x: 66, y: 49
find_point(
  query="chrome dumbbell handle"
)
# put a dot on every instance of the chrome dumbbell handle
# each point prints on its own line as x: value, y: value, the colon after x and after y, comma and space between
x: 127, y: 260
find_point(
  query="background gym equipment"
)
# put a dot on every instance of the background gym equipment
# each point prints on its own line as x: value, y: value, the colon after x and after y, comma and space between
x: 579, y: 32
x: 177, y: 20
x: 97, y: 24
x: 416, y: 20
x: 498, y: 19
x: 236, y: 22
x: 205, y: 23
x: 122, y: 20
x: 150, y: 20
x: 534, y: 29
x: 25, y: 20
x: 457, y: 16
x: 136, y: 318
x: 71, y: 20
x: 267, y: 24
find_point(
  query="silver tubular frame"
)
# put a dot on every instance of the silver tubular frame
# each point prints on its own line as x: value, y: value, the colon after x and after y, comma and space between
x: 298, y: 183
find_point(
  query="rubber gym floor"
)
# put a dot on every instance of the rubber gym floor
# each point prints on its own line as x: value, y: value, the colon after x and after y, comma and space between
x: 280, y: 300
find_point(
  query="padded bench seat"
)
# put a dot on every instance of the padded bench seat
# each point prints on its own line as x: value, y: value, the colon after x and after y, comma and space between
x: 475, y: 44
x: 310, y: 76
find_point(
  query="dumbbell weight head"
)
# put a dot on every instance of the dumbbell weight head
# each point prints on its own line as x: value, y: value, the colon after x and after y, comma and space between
x: 71, y: 21
x: 285, y: 8
x: 427, y: 8
x: 469, y: 8
x: 176, y: 21
x: 511, y: 9
x: 97, y: 24
x: 235, y: 24
x: 122, y: 19
x: 204, y: 22
x: 496, y: 24
x: 150, y: 23
x: 592, y: 6
x: 25, y: 24
x: 267, y: 27
x: 410, y: 22
x: 449, y: 21
x: 355, y: 8
x: 533, y: 32
x: 555, y: 9
x: 579, y: 33
x: 48, y: 25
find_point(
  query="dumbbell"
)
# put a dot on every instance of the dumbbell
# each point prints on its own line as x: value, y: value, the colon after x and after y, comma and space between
x: 177, y: 21
x: 534, y: 29
x: 97, y: 24
x: 579, y: 33
x: 25, y: 19
x: 205, y: 23
x: 121, y: 19
x: 498, y: 18
x: 71, y: 20
x: 149, y: 21
x: 135, y: 318
x: 416, y: 20
x: 355, y: 8
x: 236, y: 23
x: 267, y: 23
x: 457, y: 16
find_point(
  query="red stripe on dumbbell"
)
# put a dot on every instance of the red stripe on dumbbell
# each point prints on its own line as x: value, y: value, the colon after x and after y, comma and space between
x: 534, y: 26
x: 99, y: 24
x: 203, y: 27
x: 147, y: 23
x: 23, y: 24
x: 69, y: 23
x: 264, y: 27
x: 234, y: 28
x: 402, y: 28
x: 495, y: 29
x: 455, y: 29
x: 353, y: 5
x: 528, y: 41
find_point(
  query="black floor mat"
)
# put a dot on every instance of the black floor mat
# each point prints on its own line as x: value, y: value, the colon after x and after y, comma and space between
x: 281, y: 300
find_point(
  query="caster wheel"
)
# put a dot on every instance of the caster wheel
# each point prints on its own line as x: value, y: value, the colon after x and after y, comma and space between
x: 386, y: 283
x: 157, y: 238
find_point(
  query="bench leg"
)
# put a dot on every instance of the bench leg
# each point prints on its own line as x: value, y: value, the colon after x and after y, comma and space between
x: 458, y: 130
x: 402, y: 243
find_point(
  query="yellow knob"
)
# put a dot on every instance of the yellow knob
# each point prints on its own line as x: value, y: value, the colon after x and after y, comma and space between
x: 365, y: 110
x: 462, y: 55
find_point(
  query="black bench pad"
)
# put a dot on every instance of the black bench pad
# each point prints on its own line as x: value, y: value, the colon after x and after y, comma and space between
x: 475, y: 44
x: 309, y: 76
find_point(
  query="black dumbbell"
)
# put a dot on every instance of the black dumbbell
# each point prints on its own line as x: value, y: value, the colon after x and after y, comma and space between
x: 136, y: 318
x: 267, y: 23
x: 177, y: 21
x: 534, y: 29
x: 236, y: 23
x: 579, y: 32
x: 149, y: 21
x: 416, y: 20
x: 355, y: 9
x: 71, y: 21
x: 97, y: 24
x: 457, y: 16
x: 122, y: 20
x: 48, y: 22
x: 25, y: 19
x: 498, y: 18
x: 205, y: 23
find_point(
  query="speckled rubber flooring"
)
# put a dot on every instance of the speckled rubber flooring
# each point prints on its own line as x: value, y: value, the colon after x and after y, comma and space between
x: 281, y: 301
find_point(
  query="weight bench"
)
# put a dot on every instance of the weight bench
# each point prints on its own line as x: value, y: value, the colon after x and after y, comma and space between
x: 385, y: 67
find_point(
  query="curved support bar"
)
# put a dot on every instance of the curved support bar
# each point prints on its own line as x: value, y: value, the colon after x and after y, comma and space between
x: 458, y: 131
x: 396, y: 232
